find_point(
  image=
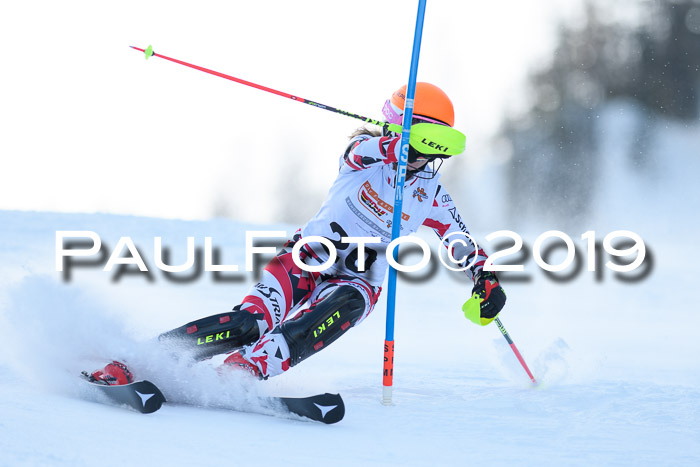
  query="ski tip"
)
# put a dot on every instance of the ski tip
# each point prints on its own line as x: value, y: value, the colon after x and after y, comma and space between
x: 325, y: 408
x: 142, y: 396
x: 335, y: 414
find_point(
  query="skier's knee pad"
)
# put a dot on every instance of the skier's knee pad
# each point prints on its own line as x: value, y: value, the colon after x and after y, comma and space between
x: 322, y: 324
x: 215, y: 334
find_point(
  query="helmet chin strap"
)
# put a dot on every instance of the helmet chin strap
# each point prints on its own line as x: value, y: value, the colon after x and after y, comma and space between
x: 428, y: 175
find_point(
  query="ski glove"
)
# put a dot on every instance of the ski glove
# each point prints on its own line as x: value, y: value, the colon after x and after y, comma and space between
x: 487, y: 299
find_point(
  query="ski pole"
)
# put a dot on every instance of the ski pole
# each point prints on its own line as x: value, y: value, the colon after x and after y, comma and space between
x: 515, y: 349
x: 388, y: 374
x: 150, y: 53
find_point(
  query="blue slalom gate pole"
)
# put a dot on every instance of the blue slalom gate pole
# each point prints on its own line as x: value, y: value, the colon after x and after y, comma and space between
x: 388, y: 378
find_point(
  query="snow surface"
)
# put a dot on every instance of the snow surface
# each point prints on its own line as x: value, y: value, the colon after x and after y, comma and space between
x: 617, y: 361
x: 618, y: 370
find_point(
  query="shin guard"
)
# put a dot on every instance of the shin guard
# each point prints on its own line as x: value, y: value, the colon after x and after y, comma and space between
x: 215, y: 334
x: 323, y: 323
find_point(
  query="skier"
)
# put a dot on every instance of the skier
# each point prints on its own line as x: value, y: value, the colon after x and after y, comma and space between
x: 270, y: 332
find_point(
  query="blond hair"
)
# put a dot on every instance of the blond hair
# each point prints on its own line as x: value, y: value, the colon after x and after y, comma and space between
x: 363, y: 130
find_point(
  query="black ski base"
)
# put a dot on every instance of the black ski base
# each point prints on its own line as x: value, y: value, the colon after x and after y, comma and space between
x: 324, y: 408
x: 145, y: 397
x: 142, y: 396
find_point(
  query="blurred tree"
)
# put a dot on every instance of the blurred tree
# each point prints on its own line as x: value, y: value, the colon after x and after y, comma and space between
x: 656, y: 63
x: 670, y: 60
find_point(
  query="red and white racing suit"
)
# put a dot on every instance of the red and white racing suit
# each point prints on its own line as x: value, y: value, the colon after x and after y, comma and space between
x: 359, y: 204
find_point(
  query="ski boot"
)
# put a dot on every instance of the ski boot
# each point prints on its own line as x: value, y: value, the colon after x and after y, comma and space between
x: 114, y: 374
x: 237, y: 362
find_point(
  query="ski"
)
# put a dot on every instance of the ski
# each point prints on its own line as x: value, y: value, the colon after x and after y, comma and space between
x: 145, y: 397
x: 142, y: 396
x: 325, y: 408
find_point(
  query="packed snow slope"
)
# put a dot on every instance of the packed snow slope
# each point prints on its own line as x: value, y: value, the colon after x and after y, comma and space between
x: 616, y: 354
x: 617, y: 363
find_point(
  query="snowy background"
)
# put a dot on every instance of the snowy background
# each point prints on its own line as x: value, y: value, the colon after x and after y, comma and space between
x: 84, y: 113
x: 95, y: 138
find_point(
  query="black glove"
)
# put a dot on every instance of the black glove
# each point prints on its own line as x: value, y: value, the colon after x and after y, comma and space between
x: 487, y: 300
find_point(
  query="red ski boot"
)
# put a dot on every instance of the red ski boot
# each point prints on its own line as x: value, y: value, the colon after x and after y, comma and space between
x: 237, y: 362
x: 114, y: 374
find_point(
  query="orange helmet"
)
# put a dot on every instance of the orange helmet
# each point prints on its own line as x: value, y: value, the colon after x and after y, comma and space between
x: 430, y: 101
